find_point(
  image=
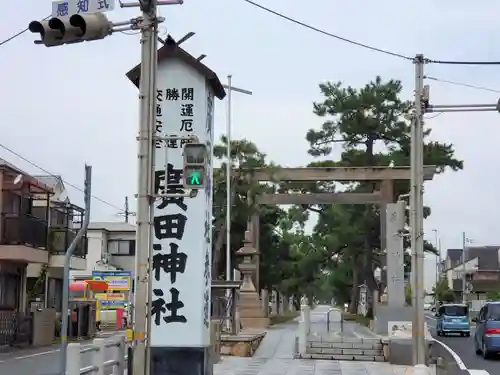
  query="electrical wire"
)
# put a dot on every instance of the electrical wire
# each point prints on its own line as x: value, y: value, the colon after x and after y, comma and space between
x: 431, y: 117
x: 463, y: 84
x: 310, y: 27
x: 53, y: 175
x: 5, y: 41
x: 376, y: 49
x: 444, y: 62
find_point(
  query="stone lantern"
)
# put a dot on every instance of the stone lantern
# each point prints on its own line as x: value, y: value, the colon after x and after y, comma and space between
x: 249, y: 305
x: 248, y: 266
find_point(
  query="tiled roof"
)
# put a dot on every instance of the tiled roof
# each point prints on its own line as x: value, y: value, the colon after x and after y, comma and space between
x: 487, y: 256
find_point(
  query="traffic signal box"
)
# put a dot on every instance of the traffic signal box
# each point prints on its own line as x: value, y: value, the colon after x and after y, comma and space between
x: 75, y: 29
x: 195, y: 165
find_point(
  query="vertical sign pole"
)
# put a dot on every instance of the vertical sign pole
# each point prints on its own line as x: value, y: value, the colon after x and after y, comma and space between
x: 464, y: 259
x: 418, y: 326
x: 229, y: 275
x: 146, y: 127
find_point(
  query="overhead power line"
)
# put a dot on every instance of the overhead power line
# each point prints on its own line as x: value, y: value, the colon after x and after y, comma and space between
x: 54, y: 175
x: 444, y: 62
x: 5, y: 41
x: 321, y: 31
x: 463, y: 84
x: 366, y: 46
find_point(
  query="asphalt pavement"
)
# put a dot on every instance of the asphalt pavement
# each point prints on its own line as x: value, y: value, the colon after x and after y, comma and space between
x: 463, y: 349
x: 41, y: 361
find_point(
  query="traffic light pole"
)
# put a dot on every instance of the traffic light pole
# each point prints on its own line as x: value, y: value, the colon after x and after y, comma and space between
x: 147, y: 100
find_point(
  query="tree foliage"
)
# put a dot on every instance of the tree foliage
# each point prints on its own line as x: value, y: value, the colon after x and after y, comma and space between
x: 372, y: 126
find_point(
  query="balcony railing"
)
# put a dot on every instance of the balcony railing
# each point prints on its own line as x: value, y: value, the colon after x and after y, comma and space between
x: 24, y: 230
x: 61, y: 237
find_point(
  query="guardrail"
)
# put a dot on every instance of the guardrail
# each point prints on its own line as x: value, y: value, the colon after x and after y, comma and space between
x: 336, y: 319
x: 100, y: 357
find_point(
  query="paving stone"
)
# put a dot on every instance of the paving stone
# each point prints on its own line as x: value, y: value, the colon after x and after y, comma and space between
x: 275, y: 356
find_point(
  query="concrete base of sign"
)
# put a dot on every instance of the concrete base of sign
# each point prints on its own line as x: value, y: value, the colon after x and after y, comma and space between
x: 181, y: 361
x: 400, y: 351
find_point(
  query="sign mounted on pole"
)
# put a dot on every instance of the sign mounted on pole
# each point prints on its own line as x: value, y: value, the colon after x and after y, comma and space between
x: 181, y: 292
x: 117, y: 280
x: 67, y: 8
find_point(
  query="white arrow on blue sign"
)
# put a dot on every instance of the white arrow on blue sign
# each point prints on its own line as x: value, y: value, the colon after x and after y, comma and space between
x: 66, y: 8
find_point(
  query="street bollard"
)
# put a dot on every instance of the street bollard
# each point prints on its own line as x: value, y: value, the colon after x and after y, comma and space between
x: 73, y: 362
x: 98, y: 356
x: 119, y: 369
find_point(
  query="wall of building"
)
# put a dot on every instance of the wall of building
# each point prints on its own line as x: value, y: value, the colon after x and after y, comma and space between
x: 98, y: 248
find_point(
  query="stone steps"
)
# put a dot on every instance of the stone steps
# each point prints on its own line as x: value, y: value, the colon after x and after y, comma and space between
x: 347, y: 349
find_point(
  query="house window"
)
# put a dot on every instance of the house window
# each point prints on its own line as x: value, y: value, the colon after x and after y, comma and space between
x: 121, y: 247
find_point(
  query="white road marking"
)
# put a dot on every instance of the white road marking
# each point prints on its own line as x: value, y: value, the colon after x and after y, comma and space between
x: 36, y: 354
x: 478, y: 372
x: 455, y: 356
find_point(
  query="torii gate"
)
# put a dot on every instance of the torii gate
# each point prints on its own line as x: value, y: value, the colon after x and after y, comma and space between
x: 383, y: 176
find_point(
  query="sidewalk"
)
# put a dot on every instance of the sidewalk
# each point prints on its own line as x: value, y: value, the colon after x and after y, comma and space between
x: 275, y: 357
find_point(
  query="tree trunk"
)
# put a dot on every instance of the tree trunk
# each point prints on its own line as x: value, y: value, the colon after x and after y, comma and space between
x: 219, y: 243
x: 353, y: 306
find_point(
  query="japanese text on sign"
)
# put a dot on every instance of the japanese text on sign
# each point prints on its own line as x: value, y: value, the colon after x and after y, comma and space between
x: 69, y: 7
x: 169, y: 259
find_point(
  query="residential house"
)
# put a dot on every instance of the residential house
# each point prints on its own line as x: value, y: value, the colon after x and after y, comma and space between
x: 482, y: 270
x: 45, y: 281
x: 111, y: 247
x: 23, y: 235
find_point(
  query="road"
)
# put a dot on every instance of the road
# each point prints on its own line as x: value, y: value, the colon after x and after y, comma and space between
x: 44, y: 361
x: 464, y: 349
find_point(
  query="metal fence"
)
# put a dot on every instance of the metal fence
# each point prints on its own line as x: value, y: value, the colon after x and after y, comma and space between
x: 15, y: 328
x: 106, y: 355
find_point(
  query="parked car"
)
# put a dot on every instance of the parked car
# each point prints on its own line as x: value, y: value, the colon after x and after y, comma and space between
x: 427, y: 306
x: 487, y: 336
x: 453, y: 318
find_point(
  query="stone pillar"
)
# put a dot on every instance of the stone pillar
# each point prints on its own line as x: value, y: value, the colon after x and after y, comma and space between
x: 274, y: 303
x: 395, y: 215
x: 265, y: 301
x: 387, y: 192
x: 304, y: 327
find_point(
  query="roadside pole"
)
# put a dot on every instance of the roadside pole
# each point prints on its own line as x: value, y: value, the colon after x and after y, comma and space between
x: 149, y: 37
x: 229, y: 193
x: 464, y: 270
x: 67, y: 263
x: 416, y: 217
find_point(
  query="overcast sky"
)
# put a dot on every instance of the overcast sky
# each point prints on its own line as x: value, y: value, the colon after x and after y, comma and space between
x: 69, y: 105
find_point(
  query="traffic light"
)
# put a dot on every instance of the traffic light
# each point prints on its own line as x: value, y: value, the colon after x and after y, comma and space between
x: 195, y: 165
x: 75, y: 29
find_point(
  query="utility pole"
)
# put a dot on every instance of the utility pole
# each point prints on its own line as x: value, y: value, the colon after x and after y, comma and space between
x: 67, y: 262
x: 465, y: 242
x: 147, y: 107
x: 416, y: 217
x: 229, y: 275
x: 126, y: 210
x: 229, y: 193
x: 436, y: 246
x: 230, y: 88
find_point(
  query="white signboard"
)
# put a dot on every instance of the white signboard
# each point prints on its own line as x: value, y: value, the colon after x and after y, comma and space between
x: 69, y: 7
x: 182, y: 227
